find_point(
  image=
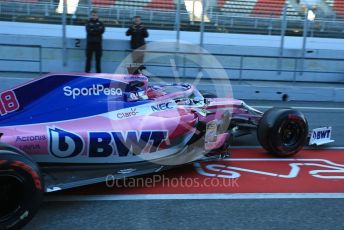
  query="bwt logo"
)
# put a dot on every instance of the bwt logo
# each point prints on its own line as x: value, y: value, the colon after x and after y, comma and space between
x: 163, y: 106
x: 95, y: 90
x: 64, y: 144
x: 322, y: 134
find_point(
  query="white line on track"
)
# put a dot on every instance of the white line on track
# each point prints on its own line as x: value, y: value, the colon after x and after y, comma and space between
x: 301, y: 107
x: 234, y: 196
x: 307, y: 147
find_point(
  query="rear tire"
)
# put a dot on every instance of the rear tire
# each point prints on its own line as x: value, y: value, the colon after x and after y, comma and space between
x: 21, y: 188
x: 283, y: 131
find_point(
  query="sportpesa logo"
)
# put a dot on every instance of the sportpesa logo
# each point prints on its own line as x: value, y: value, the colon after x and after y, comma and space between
x: 95, y: 90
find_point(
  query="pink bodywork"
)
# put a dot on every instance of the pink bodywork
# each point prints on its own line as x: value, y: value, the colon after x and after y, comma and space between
x: 179, y: 121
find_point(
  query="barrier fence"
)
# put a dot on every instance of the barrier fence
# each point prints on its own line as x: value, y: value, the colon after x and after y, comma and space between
x: 240, y: 64
x: 11, y: 63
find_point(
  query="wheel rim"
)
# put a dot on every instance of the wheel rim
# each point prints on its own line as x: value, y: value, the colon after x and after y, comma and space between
x: 11, y: 195
x: 290, y: 133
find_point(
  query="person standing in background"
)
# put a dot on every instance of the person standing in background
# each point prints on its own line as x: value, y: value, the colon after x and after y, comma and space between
x: 94, y: 30
x: 138, y: 34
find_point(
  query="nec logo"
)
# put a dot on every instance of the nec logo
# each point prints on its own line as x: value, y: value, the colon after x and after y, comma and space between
x: 163, y: 106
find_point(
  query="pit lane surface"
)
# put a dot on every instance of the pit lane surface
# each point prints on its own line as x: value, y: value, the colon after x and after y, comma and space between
x: 242, y: 212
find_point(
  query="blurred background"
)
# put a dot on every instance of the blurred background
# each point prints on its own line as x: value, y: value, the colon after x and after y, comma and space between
x: 256, y: 41
x: 235, y: 16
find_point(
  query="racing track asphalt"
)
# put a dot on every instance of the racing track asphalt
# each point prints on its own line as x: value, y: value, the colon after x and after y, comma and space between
x: 209, y: 214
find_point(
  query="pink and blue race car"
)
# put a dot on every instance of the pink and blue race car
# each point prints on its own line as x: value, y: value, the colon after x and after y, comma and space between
x: 67, y: 130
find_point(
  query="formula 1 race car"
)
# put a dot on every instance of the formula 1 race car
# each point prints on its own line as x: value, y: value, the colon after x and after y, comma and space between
x: 68, y: 130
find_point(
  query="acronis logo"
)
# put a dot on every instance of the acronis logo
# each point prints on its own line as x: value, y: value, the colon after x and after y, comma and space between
x: 64, y: 144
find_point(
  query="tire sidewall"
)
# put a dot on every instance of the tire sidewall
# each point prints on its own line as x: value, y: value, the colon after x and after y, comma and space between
x: 270, y: 125
x: 24, y: 169
x: 276, y: 141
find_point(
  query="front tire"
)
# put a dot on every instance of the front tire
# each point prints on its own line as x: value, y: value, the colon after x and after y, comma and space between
x: 283, y: 131
x: 21, y: 189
